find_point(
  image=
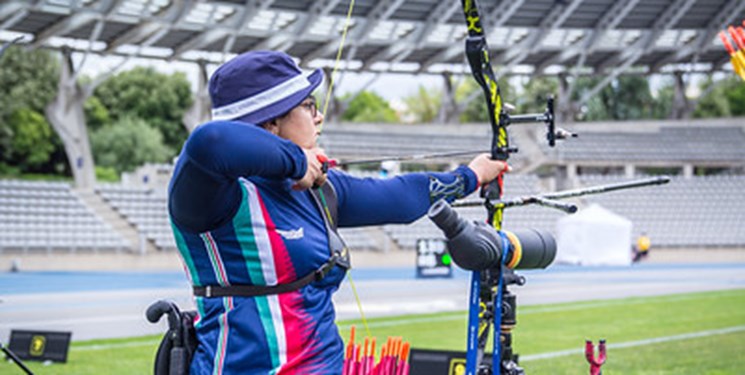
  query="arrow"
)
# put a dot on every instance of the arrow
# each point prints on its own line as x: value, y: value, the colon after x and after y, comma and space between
x: 736, y: 55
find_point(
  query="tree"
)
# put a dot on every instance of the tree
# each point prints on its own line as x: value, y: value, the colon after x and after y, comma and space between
x: 723, y: 98
x: 625, y: 98
x: 127, y: 144
x: 28, y: 81
x: 424, y: 105
x: 96, y: 115
x: 157, y: 98
x: 663, y: 100
x: 369, y: 107
x: 32, y: 143
x: 534, y: 94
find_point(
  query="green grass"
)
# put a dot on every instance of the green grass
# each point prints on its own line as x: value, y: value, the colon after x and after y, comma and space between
x: 540, y: 329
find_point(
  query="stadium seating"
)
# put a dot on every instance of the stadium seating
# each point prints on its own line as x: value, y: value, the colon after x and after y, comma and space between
x: 144, y: 208
x: 691, y: 212
x: 47, y: 216
x: 669, y: 144
x: 687, y: 212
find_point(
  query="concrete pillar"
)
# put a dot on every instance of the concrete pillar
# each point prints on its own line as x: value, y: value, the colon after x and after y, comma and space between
x: 448, y: 113
x: 681, y: 108
x: 565, y: 109
x: 629, y: 170
x: 687, y: 170
x: 65, y: 114
x: 201, y: 110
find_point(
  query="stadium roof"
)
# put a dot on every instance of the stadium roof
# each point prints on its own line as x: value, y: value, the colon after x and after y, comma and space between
x: 536, y: 36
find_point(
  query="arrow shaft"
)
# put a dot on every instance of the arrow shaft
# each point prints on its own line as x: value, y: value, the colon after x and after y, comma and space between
x: 410, y: 157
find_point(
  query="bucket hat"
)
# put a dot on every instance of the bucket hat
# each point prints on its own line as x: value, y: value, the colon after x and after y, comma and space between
x: 258, y: 86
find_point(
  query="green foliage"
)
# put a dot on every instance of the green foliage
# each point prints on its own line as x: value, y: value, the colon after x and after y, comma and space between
x: 127, y: 144
x: 96, y: 115
x: 663, y: 106
x: 31, y: 143
x: 369, y: 107
x: 106, y: 174
x: 625, y: 98
x: 535, y: 92
x: 723, y: 98
x: 424, y: 105
x: 158, y: 98
x: 28, y: 81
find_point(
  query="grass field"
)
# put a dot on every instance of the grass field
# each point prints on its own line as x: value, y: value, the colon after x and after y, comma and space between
x: 701, y: 333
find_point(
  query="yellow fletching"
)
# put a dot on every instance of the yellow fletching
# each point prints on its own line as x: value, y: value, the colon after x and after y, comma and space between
x: 738, y: 63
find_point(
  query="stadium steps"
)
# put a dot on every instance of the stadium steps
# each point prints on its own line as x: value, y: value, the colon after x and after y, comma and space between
x: 118, y: 223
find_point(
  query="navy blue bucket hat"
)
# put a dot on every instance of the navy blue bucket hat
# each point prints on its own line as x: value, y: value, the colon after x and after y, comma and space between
x: 258, y: 86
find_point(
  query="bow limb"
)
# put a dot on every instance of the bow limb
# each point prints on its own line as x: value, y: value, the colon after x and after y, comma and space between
x: 477, y: 52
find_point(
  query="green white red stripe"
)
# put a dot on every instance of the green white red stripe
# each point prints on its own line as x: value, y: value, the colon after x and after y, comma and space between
x: 264, y: 272
x: 215, y: 259
x: 222, y: 340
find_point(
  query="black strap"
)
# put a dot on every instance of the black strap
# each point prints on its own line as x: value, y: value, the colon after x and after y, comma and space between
x: 263, y: 290
x: 325, y: 198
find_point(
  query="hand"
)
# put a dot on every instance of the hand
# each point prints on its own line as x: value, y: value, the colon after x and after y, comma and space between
x: 488, y: 170
x: 314, y: 175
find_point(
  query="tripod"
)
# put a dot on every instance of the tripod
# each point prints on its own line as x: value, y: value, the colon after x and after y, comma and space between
x: 508, y: 311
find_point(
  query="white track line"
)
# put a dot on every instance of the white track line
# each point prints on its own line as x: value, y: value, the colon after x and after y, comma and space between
x: 631, y: 344
x: 528, y: 310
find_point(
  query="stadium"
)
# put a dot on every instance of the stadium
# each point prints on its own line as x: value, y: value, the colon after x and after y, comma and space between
x: 643, y: 90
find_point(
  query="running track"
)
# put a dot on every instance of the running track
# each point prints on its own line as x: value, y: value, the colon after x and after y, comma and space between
x: 112, y: 304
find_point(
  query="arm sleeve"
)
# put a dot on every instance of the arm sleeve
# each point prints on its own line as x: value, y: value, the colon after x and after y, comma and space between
x: 205, y: 191
x: 397, y: 200
x: 234, y: 149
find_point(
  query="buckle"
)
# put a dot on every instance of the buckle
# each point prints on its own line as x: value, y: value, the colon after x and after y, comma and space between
x: 208, y: 291
x: 319, y: 274
x: 341, y: 258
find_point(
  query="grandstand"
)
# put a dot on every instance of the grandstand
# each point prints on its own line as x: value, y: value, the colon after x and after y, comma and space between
x: 145, y: 209
x: 48, y: 216
x: 693, y: 211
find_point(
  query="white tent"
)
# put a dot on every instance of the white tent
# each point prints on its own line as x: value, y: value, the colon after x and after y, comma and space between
x: 594, y: 236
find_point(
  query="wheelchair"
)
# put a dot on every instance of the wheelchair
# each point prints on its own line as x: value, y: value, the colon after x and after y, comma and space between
x: 180, y: 341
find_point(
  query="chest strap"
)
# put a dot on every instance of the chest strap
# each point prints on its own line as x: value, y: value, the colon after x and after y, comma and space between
x: 326, y: 200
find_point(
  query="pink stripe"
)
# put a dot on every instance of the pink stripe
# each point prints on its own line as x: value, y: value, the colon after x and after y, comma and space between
x: 301, y: 348
x: 283, y: 267
x: 298, y: 325
x: 216, y: 256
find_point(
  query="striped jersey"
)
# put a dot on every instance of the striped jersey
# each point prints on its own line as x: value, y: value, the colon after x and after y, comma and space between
x: 237, y: 221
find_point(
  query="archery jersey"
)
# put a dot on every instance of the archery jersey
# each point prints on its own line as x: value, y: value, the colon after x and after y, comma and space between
x: 237, y: 221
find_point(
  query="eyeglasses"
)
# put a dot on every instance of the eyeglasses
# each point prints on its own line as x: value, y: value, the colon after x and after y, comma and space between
x: 311, y: 106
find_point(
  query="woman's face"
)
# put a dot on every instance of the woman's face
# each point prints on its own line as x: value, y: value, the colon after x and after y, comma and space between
x: 300, y: 125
